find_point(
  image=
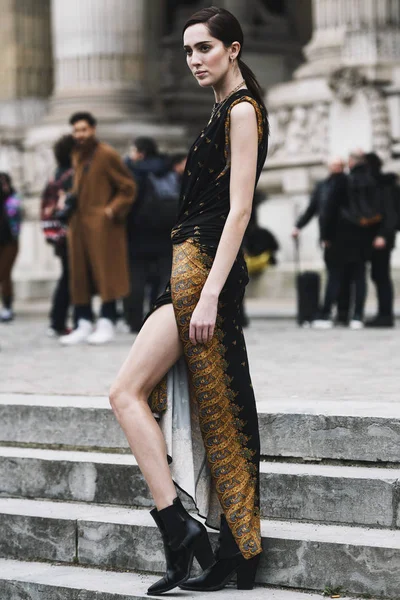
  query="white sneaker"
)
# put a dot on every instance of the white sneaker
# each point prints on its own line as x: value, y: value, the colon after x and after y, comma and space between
x: 322, y: 324
x: 122, y: 327
x: 356, y: 324
x: 6, y: 315
x: 79, y: 335
x: 105, y: 332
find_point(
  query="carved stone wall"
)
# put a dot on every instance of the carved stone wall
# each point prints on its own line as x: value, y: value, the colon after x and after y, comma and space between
x: 346, y: 96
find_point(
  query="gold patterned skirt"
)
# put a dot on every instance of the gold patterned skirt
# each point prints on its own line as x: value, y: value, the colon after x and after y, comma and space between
x: 206, y: 403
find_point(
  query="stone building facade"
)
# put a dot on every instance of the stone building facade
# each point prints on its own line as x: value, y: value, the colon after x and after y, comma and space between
x: 331, y: 70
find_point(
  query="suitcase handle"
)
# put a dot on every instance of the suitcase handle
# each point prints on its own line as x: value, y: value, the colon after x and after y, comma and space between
x: 297, y: 256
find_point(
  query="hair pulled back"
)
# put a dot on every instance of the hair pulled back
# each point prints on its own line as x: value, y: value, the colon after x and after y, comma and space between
x: 224, y: 26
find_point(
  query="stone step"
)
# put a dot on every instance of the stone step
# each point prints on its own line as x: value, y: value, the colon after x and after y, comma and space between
x: 297, y: 555
x: 367, y: 496
x: 40, y: 581
x: 349, y: 430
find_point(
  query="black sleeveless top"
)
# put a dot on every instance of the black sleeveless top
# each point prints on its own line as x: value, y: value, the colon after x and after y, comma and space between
x: 204, y: 201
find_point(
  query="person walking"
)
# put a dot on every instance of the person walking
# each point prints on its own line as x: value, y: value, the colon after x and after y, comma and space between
x: 10, y: 223
x: 351, y: 210
x: 189, y: 359
x: 55, y: 232
x: 149, y: 226
x: 382, y: 239
x: 102, y: 194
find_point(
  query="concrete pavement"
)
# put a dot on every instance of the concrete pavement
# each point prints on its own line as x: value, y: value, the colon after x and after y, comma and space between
x: 287, y: 363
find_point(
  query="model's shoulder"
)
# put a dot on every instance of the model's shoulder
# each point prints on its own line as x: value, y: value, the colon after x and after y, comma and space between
x: 243, y: 108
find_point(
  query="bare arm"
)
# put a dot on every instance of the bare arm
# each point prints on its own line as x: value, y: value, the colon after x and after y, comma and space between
x: 244, y: 148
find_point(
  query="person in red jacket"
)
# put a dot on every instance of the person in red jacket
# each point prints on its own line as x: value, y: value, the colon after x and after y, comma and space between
x: 55, y: 232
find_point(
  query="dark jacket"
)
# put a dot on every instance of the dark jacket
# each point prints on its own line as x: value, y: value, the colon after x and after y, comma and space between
x: 10, y: 219
x: 388, y: 184
x: 314, y: 207
x: 146, y: 242
x: 317, y: 201
x: 349, y: 243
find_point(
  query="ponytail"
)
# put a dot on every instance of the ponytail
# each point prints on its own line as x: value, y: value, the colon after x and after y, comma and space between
x: 251, y: 82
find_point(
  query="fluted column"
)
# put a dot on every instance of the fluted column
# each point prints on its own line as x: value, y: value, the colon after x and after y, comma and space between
x: 26, y: 65
x: 100, y: 54
x: 362, y: 33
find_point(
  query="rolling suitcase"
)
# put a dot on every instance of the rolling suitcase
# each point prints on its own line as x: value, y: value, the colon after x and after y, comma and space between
x: 308, y: 285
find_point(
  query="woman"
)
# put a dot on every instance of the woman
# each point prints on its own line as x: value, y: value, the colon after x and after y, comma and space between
x: 193, y: 342
x: 10, y: 222
x: 55, y: 232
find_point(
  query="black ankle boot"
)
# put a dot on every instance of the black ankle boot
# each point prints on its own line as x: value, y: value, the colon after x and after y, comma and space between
x: 229, y: 561
x: 184, y: 538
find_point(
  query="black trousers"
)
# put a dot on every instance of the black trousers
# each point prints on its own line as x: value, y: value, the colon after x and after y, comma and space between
x: 147, y: 271
x: 381, y: 276
x: 339, y: 277
x: 61, y: 297
x: 108, y: 311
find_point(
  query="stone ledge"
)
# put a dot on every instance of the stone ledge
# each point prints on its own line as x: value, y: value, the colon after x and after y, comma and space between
x: 321, y: 493
x: 297, y: 555
x: 38, y: 581
x: 370, y: 432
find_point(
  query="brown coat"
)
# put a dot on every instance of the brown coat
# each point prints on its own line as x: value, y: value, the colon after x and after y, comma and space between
x: 97, y: 244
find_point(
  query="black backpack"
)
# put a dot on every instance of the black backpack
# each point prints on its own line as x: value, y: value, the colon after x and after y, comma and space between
x: 364, y: 207
x: 157, y: 208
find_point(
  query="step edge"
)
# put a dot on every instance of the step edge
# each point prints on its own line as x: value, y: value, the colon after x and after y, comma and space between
x: 271, y: 528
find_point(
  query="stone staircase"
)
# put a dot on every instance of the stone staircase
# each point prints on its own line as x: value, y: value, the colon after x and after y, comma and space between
x: 74, y: 507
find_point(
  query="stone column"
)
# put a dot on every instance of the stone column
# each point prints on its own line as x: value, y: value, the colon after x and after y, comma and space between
x: 26, y: 65
x: 362, y: 33
x: 101, y: 51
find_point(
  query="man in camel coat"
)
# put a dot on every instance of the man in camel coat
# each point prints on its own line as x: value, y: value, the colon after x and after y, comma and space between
x: 102, y: 196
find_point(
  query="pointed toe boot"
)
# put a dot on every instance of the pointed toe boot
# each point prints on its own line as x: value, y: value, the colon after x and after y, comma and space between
x: 229, y: 561
x: 184, y: 538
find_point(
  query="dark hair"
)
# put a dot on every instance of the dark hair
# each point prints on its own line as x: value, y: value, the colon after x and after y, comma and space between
x: 83, y: 116
x: 5, y: 177
x: 146, y: 145
x: 224, y: 26
x: 178, y: 158
x: 374, y: 163
x: 62, y: 151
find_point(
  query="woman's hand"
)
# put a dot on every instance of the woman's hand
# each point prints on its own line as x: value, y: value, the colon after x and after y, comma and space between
x: 379, y: 242
x: 109, y: 212
x: 48, y: 211
x: 62, y: 196
x: 202, y: 323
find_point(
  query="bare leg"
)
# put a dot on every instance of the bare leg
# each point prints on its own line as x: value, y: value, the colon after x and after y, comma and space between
x: 153, y: 353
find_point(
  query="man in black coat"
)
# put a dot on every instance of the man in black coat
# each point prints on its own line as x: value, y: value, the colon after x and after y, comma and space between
x: 346, y: 236
x: 318, y: 197
x: 383, y: 241
x: 322, y: 191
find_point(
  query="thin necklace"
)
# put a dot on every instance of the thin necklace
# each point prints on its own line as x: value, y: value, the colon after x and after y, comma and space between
x: 219, y: 105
